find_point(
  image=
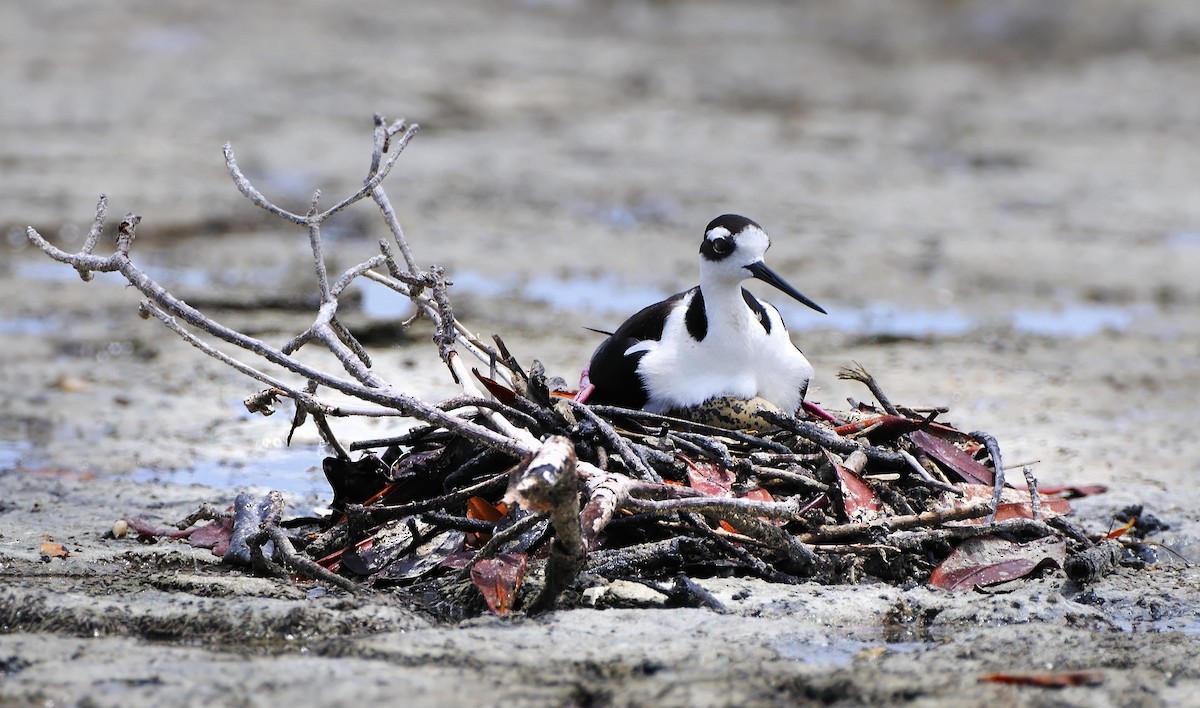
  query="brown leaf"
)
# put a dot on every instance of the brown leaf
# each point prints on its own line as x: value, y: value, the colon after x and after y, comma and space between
x: 949, y: 455
x: 424, y: 558
x: 710, y: 478
x: 214, y: 535
x: 498, y: 579
x: 858, y: 499
x: 1014, y: 503
x: 53, y: 550
x: 1072, y: 491
x: 502, y: 393
x: 988, y: 560
x: 1053, y: 679
x: 482, y: 509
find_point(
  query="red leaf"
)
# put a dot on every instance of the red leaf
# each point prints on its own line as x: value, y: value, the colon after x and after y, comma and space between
x: 502, y: 393
x: 710, y: 478
x: 143, y: 528
x: 1120, y: 530
x: 988, y: 560
x: 1056, y: 679
x: 949, y: 455
x: 880, y: 427
x: 1014, y: 503
x: 1072, y: 491
x: 214, y: 535
x: 499, y: 579
x: 482, y: 509
x: 858, y: 499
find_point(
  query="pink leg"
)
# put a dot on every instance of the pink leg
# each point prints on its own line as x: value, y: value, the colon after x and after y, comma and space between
x: 819, y: 412
x: 585, y: 387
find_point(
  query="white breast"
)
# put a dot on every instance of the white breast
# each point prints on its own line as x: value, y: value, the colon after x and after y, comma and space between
x: 736, y: 358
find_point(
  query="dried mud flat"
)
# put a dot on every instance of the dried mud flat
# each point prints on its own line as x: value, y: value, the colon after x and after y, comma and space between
x: 995, y: 201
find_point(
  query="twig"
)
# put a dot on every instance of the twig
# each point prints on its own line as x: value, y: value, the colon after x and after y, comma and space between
x: 757, y: 565
x: 927, y: 478
x: 827, y: 438
x: 860, y: 374
x: 381, y: 514
x: 842, y: 532
x: 993, y: 449
x: 909, y: 540
x: 1093, y: 563
x: 631, y: 457
x: 548, y: 485
x: 691, y: 426
x: 1034, y: 497
x: 286, y: 552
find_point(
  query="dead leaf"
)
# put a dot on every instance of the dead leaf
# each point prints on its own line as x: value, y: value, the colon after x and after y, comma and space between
x: 498, y: 579
x: 1014, y: 503
x: 858, y: 499
x: 214, y: 535
x: 709, y: 478
x: 502, y: 393
x: 1120, y: 530
x: 1053, y: 679
x: 425, y: 558
x: 988, y: 560
x: 53, y: 550
x: 962, y: 464
x: 390, y: 542
x: 482, y: 509
x: 1072, y: 491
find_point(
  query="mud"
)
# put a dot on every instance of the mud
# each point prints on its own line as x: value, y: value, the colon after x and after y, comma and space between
x: 994, y: 200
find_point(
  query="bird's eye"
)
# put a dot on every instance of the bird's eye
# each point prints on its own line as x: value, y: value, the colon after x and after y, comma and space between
x: 722, y: 246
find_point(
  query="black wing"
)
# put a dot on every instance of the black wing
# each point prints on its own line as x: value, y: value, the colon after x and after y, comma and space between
x: 612, y: 372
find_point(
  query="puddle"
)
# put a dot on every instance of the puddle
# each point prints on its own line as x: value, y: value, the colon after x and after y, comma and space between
x: 880, y: 319
x: 45, y: 269
x: 295, y: 470
x: 1183, y: 239
x: 36, y: 326
x: 1076, y: 320
x: 379, y: 302
x: 607, y: 294
x: 603, y: 294
x: 12, y: 453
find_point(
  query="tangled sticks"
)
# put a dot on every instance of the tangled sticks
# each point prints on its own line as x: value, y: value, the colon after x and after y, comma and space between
x: 512, y: 479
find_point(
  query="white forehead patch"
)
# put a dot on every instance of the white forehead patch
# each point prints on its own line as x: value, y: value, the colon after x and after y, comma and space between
x: 717, y: 232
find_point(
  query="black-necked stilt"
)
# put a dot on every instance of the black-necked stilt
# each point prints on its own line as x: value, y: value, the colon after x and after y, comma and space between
x: 715, y: 340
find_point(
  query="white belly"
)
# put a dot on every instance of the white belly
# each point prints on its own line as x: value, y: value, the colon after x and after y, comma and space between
x: 734, y: 359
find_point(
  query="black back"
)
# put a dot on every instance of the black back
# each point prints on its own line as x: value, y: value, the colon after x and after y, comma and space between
x: 614, y: 374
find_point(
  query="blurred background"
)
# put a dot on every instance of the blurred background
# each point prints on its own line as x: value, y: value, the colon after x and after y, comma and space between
x: 995, y: 200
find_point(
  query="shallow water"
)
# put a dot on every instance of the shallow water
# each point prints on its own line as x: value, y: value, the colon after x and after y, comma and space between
x: 294, y: 470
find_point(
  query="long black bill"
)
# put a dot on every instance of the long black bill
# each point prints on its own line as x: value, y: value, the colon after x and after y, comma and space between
x: 765, y: 274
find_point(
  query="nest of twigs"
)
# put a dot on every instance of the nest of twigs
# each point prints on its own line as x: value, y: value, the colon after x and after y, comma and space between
x: 879, y: 491
x: 515, y: 493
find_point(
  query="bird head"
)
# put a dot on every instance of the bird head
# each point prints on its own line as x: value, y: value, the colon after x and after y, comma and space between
x: 733, y: 250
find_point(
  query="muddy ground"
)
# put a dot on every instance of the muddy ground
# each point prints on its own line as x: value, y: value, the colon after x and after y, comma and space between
x: 994, y: 200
